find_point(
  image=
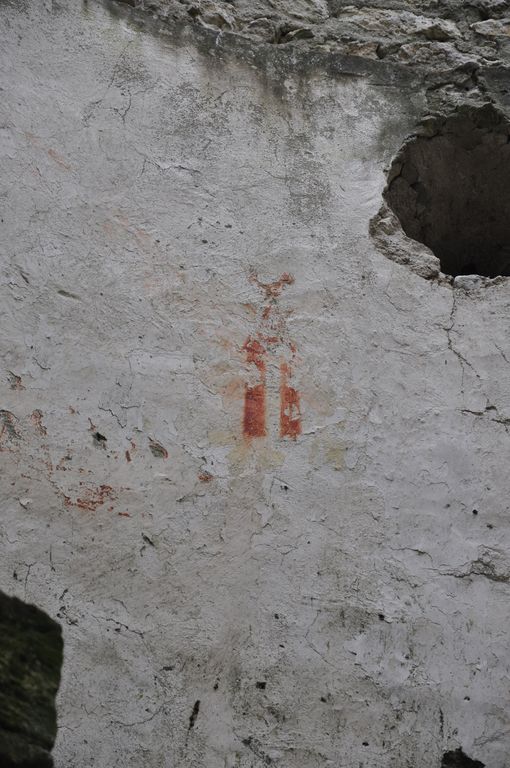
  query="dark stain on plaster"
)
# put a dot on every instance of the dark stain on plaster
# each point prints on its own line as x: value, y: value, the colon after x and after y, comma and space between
x: 158, y: 450
x: 68, y: 294
x: 15, y: 381
x: 194, y: 714
x: 8, y: 422
x: 99, y: 440
x: 255, y: 747
x: 36, y: 419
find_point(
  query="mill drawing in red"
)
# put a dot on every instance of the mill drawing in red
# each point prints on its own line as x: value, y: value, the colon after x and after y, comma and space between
x: 270, y: 343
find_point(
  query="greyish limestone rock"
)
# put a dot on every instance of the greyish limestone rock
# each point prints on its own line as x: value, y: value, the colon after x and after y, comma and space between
x: 30, y: 661
x: 493, y: 28
x: 377, y: 30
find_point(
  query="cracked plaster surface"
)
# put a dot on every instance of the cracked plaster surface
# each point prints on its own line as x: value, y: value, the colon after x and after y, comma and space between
x: 361, y: 571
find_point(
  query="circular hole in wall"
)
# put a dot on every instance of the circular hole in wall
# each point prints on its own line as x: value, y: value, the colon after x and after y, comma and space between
x: 450, y: 189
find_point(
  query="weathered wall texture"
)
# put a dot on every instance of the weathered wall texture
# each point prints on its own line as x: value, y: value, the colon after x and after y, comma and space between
x: 256, y: 468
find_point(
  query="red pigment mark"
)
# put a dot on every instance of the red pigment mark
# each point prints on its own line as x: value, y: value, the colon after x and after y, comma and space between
x: 128, y: 456
x: 36, y: 419
x: 290, y: 412
x: 123, y: 514
x: 254, y: 421
x: 272, y: 290
x: 205, y: 477
x: 92, y: 498
x: 255, y: 353
x: 270, y: 334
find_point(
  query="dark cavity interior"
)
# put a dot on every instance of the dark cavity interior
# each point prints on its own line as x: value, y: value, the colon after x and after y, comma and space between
x: 457, y: 759
x: 450, y: 189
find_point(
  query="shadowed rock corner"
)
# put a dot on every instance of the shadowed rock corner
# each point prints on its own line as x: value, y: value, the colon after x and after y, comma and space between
x: 457, y: 759
x: 31, y: 651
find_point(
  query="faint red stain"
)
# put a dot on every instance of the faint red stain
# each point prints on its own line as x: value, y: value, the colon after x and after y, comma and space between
x: 274, y: 289
x: 234, y: 389
x: 55, y: 156
x: 205, y: 477
x: 123, y: 514
x: 16, y: 382
x: 59, y: 159
x: 290, y: 410
x: 143, y: 238
x: 36, y: 419
x: 255, y: 353
x: 92, y: 498
x: 225, y: 343
x: 250, y: 307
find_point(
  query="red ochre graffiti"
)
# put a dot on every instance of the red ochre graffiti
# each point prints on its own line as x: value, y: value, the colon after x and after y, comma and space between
x: 290, y: 409
x: 254, y: 422
x: 270, y: 334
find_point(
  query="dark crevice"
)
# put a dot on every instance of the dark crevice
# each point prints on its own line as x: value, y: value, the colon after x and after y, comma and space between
x: 457, y: 759
x: 450, y: 189
x: 99, y: 439
x: 194, y: 714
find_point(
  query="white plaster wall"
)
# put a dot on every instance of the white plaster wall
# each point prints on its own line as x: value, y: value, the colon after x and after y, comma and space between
x: 143, y: 182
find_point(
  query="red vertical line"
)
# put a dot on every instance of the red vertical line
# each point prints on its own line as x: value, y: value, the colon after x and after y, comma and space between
x: 290, y: 409
x: 254, y: 418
